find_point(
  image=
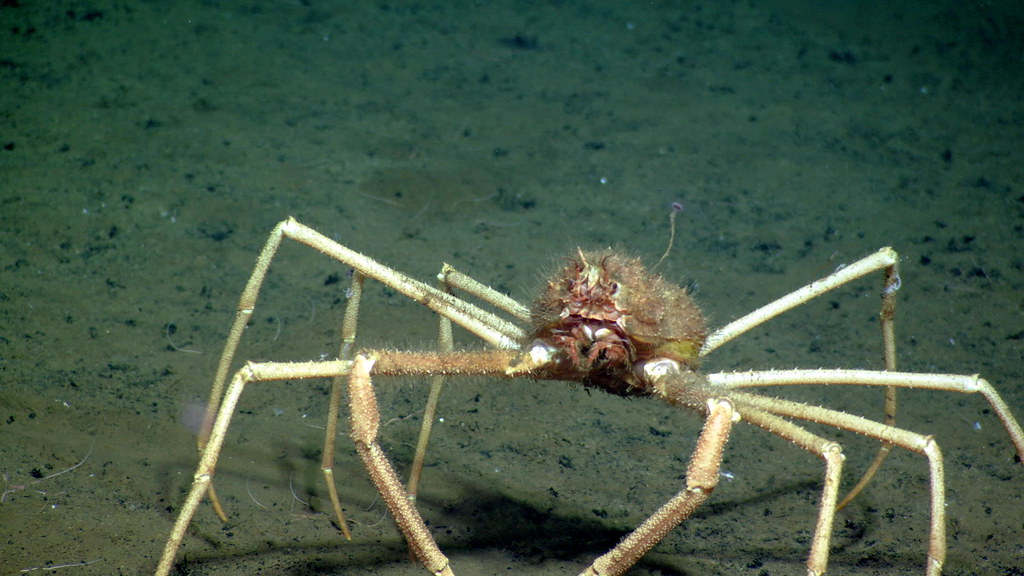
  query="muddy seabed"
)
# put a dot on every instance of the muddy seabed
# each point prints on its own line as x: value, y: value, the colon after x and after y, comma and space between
x: 147, y: 148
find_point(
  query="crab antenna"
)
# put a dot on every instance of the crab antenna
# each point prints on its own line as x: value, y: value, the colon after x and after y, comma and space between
x: 676, y: 208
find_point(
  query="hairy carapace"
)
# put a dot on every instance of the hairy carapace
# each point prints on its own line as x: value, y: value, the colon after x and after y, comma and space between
x: 607, y: 315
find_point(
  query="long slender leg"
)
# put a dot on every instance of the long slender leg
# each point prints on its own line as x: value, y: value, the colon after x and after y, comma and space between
x: 964, y: 384
x: 445, y: 344
x: 203, y: 477
x: 701, y: 479
x: 243, y: 313
x: 883, y: 259
x: 887, y: 322
x: 918, y: 443
x: 348, y: 337
x: 831, y: 453
x: 452, y: 277
x: 485, y: 325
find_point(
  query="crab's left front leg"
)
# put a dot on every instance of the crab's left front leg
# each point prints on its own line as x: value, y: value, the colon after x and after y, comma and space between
x: 701, y: 479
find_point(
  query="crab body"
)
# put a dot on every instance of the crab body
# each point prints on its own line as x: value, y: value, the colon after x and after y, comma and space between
x: 607, y: 315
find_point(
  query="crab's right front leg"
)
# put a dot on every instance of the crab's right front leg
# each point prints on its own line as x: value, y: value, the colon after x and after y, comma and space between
x: 365, y: 422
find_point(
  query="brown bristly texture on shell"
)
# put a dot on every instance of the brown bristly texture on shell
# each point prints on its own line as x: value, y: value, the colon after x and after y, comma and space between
x: 650, y: 317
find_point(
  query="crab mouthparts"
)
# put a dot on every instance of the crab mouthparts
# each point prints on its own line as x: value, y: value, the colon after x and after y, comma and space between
x: 592, y: 344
